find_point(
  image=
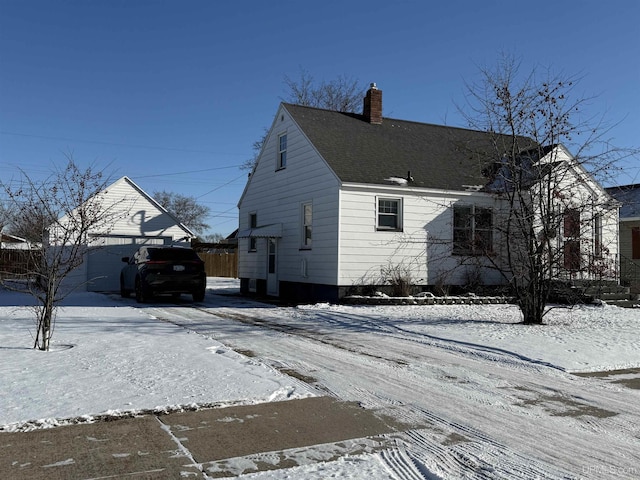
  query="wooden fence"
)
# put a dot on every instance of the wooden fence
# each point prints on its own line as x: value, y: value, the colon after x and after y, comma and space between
x: 220, y: 264
x: 17, y: 262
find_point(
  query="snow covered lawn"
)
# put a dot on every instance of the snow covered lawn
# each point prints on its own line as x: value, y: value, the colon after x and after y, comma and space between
x: 107, y: 358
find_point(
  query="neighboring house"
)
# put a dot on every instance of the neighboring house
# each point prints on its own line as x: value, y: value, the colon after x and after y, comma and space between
x: 338, y: 202
x: 138, y: 220
x: 629, y: 234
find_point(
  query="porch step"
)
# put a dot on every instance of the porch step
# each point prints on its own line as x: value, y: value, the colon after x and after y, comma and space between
x: 618, y: 295
x: 624, y: 303
x: 588, y: 291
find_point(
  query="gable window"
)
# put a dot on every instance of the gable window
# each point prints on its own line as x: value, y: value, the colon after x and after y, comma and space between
x: 389, y: 214
x: 472, y: 230
x: 253, y: 223
x: 282, y: 151
x: 307, y: 220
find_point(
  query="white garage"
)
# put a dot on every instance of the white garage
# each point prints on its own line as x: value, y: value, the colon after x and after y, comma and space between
x: 143, y: 221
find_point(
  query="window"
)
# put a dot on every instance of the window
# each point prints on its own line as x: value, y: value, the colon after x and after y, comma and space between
x: 389, y: 214
x: 253, y: 223
x: 282, y: 151
x: 307, y: 218
x: 598, y: 247
x: 472, y: 230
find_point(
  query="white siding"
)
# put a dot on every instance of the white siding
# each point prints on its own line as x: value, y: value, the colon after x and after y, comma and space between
x: 424, y: 245
x: 137, y: 219
x: 277, y: 197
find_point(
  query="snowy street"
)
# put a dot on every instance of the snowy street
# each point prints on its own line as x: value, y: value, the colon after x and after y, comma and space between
x: 479, y: 395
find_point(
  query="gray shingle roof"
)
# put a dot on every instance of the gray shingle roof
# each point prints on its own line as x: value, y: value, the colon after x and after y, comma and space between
x: 437, y: 156
x: 629, y: 198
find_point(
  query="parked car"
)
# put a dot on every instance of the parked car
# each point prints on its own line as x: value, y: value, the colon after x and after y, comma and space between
x: 157, y: 270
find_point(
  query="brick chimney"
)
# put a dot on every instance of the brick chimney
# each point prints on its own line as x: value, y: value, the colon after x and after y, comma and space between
x: 372, y: 110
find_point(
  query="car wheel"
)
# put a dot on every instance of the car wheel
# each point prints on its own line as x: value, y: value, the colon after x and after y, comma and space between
x: 124, y: 293
x: 198, y: 295
x: 142, y: 294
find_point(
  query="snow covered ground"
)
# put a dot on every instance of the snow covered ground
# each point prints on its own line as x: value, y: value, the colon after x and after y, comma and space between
x: 110, y: 356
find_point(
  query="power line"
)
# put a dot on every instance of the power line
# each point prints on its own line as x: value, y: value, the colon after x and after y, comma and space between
x: 128, y: 145
x: 187, y: 172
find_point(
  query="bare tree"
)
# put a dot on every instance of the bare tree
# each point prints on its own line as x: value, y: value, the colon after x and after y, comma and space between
x: 65, y: 210
x: 185, y: 208
x: 343, y: 94
x: 552, y: 220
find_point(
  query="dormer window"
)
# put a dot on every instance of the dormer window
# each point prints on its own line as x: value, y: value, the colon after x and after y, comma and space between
x: 282, y: 152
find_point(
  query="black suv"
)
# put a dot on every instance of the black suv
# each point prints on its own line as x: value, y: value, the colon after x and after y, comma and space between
x: 169, y: 270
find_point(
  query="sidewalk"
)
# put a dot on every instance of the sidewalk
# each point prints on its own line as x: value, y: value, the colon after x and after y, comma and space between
x: 184, y: 445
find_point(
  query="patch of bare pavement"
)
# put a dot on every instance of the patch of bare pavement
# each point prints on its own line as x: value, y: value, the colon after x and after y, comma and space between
x: 218, y: 442
x: 628, y: 377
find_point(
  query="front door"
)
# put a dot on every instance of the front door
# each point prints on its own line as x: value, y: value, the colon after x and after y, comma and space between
x: 272, y: 267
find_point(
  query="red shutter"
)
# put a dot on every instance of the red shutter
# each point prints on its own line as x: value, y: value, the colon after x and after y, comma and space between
x: 635, y: 243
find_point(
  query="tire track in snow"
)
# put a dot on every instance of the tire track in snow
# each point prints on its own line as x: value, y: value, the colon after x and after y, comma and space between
x: 381, y: 381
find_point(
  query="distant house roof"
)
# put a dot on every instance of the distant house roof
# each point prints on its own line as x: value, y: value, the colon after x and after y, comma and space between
x: 12, y: 242
x: 434, y: 156
x: 629, y: 198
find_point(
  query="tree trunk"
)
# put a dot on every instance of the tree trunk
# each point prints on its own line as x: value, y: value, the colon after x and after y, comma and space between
x: 532, y: 304
x: 45, y: 322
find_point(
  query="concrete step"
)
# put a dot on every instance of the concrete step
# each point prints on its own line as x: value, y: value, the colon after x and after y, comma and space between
x: 624, y: 303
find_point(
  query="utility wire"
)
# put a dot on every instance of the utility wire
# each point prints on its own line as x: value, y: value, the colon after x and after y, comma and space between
x: 97, y: 142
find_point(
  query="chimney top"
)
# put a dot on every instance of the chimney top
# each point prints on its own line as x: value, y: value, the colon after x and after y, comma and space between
x: 372, y: 108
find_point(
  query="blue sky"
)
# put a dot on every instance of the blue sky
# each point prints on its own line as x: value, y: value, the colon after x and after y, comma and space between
x: 174, y: 93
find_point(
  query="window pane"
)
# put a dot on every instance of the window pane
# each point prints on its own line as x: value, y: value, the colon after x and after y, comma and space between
x: 483, y: 218
x: 462, y: 241
x: 307, y: 218
x: 307, y: 214
x: 483, y: 241
x: 462, y: 217
x: 388, y: 206
x: 282, y: 152
x: 387, y: 221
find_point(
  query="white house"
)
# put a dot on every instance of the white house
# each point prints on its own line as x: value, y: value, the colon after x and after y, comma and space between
x: 341, y: 201
x: 629, y: 198
x: 136, y: 219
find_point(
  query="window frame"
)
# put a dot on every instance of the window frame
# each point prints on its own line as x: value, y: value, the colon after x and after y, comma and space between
x: 465, y: 236
x: 306, y: 230
x: 281, y: 160
x: 380, y: 226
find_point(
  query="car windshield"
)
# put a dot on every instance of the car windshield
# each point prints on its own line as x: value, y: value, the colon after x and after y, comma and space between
x: 180, y: 254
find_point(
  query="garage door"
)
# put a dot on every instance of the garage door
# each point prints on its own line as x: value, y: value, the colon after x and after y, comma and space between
x: 104, y: 262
